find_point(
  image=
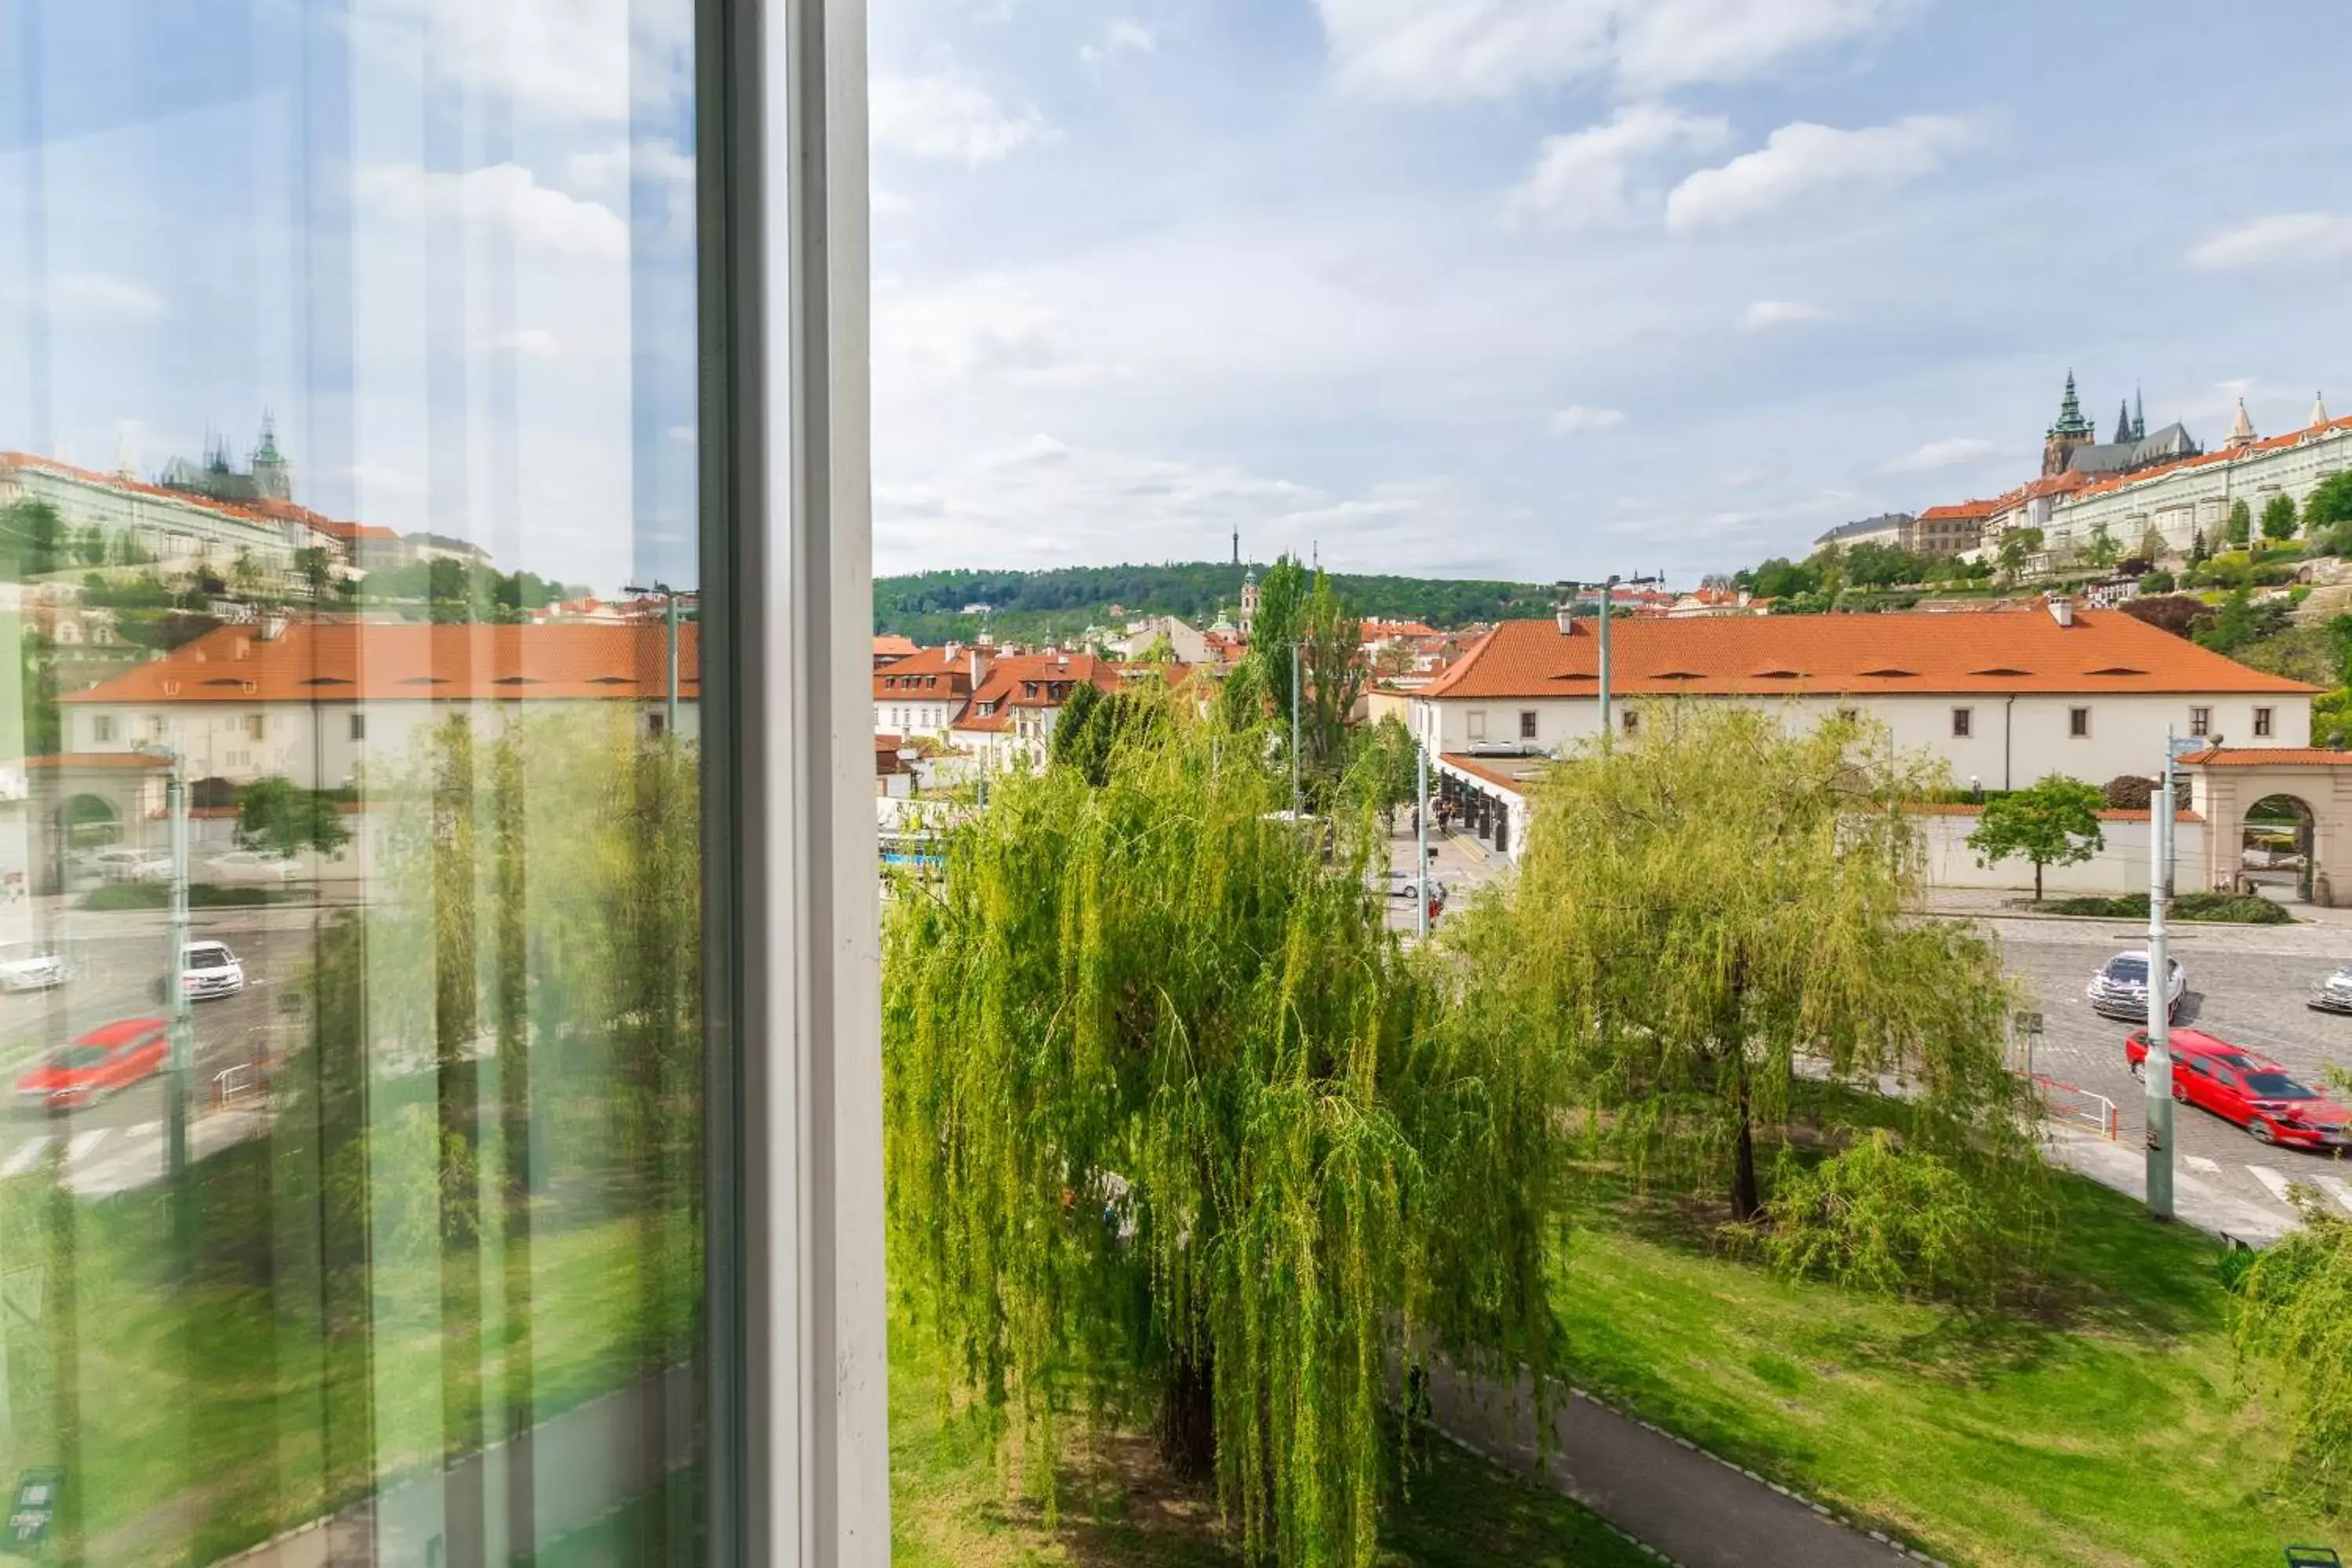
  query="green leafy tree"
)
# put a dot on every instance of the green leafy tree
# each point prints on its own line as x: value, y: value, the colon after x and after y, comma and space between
x: 2294, y: 1334
x: 2279, y: 521
x: 2199, y: 552
x: 2328, y: 507
x: 1332, y: 636
x: 1280, y: 621
x: 2151, y: 545
x: 1703, y: 919
x: 1385, y: 771
x: 276, y: 813
x: 2018, y: 546
x: 2103, y: 550
x: 312, y: 566
x: 1893, y: 1221
x: 2240, y: 528
x: 1171, y: 1118
x: 2053, y: 823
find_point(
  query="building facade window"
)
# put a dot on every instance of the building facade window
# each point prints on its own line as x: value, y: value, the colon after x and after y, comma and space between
x: 1632, y: 721
x: 1474, y: 723
x: 1963, y: 723
x: 101, y: 730
x: 358, y: 722
x: 2200, y: 720
x: 257, y: 726
x: 2078, y: 723
x: 2262, y: 722
x: 1527, y: 723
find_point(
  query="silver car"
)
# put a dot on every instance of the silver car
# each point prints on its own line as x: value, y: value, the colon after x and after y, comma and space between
x: 33, y: 966
x: 2333, y: 994
x: 2119, y: 989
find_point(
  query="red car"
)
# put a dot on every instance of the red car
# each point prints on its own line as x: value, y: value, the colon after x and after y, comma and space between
x: 2248, y: 1091
x: 2195, y: 1043
x: 108, y: 1059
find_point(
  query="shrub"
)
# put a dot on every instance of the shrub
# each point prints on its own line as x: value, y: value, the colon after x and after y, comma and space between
x: 157, y: 895
x: 2128, y: 792
x: 2221, y: 909
x: 1896, y: 1222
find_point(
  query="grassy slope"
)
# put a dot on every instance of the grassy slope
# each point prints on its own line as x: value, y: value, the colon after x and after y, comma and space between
x: 2108, y: 1430
x: 952, y: 1505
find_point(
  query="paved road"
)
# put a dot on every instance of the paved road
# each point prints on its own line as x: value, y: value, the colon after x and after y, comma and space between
x: 116, y: 1145
x: 2246, y: 984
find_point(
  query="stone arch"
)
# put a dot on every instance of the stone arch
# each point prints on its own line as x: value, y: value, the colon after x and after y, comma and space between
x: 86, y: 821
x: 2275, y: 844
x: 2238, y: 786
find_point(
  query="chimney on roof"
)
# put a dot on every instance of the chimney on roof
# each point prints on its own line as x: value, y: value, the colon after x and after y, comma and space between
x: 979, y: 668
x: 1564, y: 617
x: 2061, y: 610
x: 273, y: 626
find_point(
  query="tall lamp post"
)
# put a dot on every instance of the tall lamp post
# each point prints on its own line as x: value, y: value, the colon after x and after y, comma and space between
x: 2156, y: 1069
x: 1608, y: 602
x: 179, y: 1061
x: 669, y: 619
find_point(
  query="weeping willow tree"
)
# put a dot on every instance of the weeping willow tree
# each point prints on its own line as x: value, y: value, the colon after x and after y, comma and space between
x: 1171, y: 1121
x: 1705, y: 915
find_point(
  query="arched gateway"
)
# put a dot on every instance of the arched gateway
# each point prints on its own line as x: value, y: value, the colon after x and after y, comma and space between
x: 2277, y: 814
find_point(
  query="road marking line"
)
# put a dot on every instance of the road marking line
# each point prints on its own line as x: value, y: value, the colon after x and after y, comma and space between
x: 2200, y: 1164
x: 2270, y: 1179
x: 2338, y: 1189
x: 25, y: 1158
x: 84, y: 1143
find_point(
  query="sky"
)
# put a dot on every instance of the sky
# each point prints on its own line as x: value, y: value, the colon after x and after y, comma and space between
x: 1529, y: 288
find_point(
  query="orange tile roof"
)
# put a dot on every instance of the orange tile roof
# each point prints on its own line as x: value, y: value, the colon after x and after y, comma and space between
x: 255, y: 512
x: 2270, y: 757
x: 1004, y: 680
x: 379, y: 662
x: 927, y: 672
x: 1964, y: 510
x: 1485, y: 768
x: 892, y: 644
x: 65, y: 759
x: 1998, y: 652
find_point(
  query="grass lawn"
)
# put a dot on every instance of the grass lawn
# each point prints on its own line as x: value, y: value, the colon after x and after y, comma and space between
x: 952, y: 1505
x: 2107, y: 1429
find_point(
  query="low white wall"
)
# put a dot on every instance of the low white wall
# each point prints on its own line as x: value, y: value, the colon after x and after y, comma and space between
x: 2120, y: 866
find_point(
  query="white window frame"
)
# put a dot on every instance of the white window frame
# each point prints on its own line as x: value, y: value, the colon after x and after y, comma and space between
x: 2200, y: 720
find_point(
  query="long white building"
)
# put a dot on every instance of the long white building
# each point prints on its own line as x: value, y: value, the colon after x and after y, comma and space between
x: 2181, y: 500
x: 2004, y: 698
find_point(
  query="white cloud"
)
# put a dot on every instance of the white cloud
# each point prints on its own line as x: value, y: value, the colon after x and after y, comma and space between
x: 885, y: 202
x: 579, y: 60
x: 1802, y: 160
x: 1577, y: 419
x: 104, y: 294
x: 986, y: 329
x: 2282, y: 240
x: 613, y: 168
x: 1765, y: 314
x: 1950, y: 452
x: 1125, y: 36
x: 948, y: 117
x: 508, y: 194
x: 1436, y: 49
x: 1584, y: 179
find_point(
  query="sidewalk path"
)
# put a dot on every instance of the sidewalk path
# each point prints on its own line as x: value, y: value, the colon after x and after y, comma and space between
x: 1693, y: 1507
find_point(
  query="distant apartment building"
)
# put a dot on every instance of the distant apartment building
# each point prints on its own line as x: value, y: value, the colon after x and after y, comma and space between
x: 173, y: 529
x: 1888, y: 529
x: 1942, y: 531
x: 920, y: 694
x: 1017, y: 700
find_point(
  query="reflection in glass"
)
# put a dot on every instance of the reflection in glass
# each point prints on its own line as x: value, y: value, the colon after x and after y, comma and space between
x: 350, y: 972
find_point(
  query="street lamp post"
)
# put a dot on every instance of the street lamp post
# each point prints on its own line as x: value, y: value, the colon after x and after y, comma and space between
x: 1608, y: 602
x: 669, y: 622
x: 2156, y: 1069
x: 179, y: 1061
x: 1421, y: 832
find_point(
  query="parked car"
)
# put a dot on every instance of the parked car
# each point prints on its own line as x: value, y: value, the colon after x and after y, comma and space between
x: 238, y: 866
x: 1401, y: 883
x: 2271, y: 1105
x: 107, y: 1060
x: 33, y: 966
x: 208, y: 969
x: 2184, y: 1043
x: 2119, y: 990
x: 2333, y: 994
x: 134, y: 866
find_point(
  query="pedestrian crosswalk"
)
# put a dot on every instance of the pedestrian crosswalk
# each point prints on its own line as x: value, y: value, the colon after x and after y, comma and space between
x: 99, y: 1162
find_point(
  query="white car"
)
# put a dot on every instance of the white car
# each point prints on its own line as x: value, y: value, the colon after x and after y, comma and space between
x: 134, y: 865
x: 33, y: 966
x: 2333, y: 994
x: 208, y: 969
x: 252, y: 865
x: 2119, y: 989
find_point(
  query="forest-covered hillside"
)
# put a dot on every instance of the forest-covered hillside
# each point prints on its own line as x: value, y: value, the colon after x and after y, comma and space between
x: 1064, y: 601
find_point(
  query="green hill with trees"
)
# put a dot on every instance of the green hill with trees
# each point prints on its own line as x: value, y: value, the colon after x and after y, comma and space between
x: 1063, y: 601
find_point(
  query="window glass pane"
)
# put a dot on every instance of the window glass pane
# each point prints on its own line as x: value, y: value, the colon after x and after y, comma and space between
x: 350, y: 1185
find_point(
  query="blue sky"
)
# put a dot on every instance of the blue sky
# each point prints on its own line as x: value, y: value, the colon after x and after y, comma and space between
x: 1550, y: 290
x: 1463, y: 287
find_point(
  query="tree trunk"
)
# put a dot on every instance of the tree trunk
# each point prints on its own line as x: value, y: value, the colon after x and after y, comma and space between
x: 2037, y: 881
x: 1188, y: 1418
x: 1746, y: 1202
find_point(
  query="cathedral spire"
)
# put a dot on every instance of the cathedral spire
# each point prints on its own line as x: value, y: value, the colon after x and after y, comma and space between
x: 2069, y: 413
x: 2124, y: 425
x: 2241, y: 428
x: 2139, y: 416
x: 2318, y: 410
